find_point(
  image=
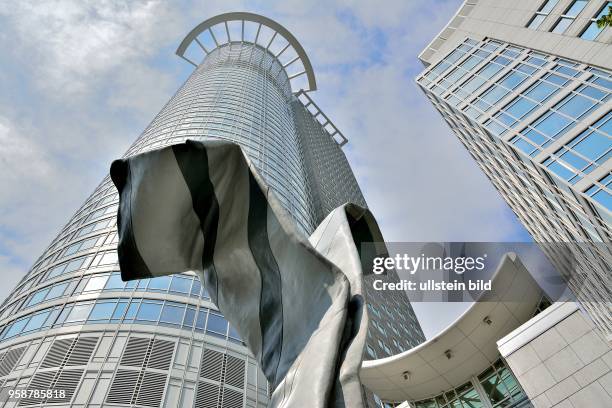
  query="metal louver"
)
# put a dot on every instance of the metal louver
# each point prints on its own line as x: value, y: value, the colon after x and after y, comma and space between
x: 56, y: 354
x: 232, y: 399
x: 70, y: 352
x: 135, y: 352
x: 212, y: 365
x: 81, y: 352
x: 234, y: 371
x: 65, y: 380
x: 161, y: 354
x: 151, y: 390
x: 142, y: 387
x: 123, y: 387
x: 68, y: 380
x: 40, y: 381
x: 9, y: 359
x: 227, y: 371
x: 207, y: 395
x: 150, y: 353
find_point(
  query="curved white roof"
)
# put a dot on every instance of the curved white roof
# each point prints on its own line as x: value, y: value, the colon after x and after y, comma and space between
x: 465, y: 348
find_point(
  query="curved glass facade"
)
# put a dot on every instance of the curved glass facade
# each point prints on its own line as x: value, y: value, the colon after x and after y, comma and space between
x: 71, y: 324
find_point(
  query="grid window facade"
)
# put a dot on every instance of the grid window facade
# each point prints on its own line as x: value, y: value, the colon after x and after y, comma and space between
x: 539, y: 128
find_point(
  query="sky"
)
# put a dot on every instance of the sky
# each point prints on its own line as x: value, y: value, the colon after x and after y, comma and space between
x: 79, y: 81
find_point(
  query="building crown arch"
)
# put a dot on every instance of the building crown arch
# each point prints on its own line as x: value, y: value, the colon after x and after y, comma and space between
x: 243, y: 27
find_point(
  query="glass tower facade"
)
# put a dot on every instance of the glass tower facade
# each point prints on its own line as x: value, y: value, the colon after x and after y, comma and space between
x: 539, y: 125
x: 71, y: 324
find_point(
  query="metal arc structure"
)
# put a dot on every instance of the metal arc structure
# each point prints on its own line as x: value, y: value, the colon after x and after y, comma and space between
x: 278, y: 32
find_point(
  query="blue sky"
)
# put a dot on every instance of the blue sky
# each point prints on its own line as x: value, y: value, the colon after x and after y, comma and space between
x: 80, y: 80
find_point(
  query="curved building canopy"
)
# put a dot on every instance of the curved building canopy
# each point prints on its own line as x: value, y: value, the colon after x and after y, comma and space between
x: 241, y: 27
x: 465, y: 348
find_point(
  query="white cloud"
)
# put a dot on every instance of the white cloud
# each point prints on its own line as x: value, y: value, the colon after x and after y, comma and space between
x: 69, y: 43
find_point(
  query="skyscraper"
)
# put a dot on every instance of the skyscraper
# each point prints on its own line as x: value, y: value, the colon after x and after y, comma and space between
x: 71, y: 324
x: 525, y: 86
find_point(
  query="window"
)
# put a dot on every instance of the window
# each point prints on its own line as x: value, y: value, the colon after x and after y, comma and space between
x: 568, y: 17
x: 95, y: 283
x: 216, y: 324
x: 592, y: 31
x: 180, y: 284
x: 79, y: 313
x: 541, y: 14
x: 173, y: 313
x: 149, y: 311
x: 102, y: 311
x: 602, y: 194
x: 584, y: 153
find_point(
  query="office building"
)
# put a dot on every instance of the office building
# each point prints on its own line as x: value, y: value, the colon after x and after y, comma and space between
x: 72, y: 325
x: 525, y: 86
x: 512, y: 349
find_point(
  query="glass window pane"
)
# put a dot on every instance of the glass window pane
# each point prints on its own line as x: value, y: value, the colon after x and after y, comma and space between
x: 576, y: 8
x: 79, y: 313
x: 552, y: 124
x: 537, y: 20
x: 548, y: 6
x: 591, y: 32
x: 149, y: 311
x: 74, y: 265
x: 114, y: 282
x: 36, y: 321
x: 201, y: 322
x: 196, y: 288
x: 57, y: 290
x: 159, y: 284
x: 189, y: 317
x: 593, y: 146
x: 96, y: 283
x: 216, y: 323
x: 119, y: 310
x: 180, y: 284
x: 172, y: 313
x: 38, y: 297
x: 16, y: 327
x: 562, y: 25
x: 541, y: 91
x: 102, y: 311
x: 131, y: 312
x: 576, y: 106
x: 604, y: 198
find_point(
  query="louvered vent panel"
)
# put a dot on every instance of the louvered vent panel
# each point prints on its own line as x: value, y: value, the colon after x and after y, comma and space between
x: 56, y: 354
x: 122, y: 388
x: 207, y: 395
x: 2, y: 355
x: 40, y: 381
x: 151, y: 390
x: 68, y: 381
x: 212, y: 364
x: 232, y: 399
x: 10, y: 359
x: 234, y: 372
x: 161, y: 354
x: 135, y: 352
x: 81, y: 351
